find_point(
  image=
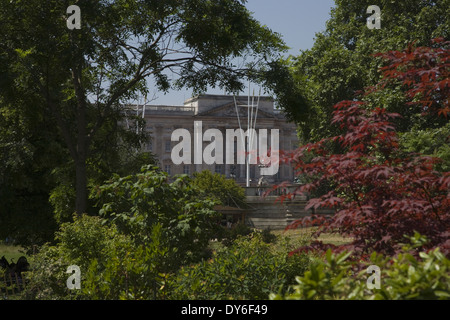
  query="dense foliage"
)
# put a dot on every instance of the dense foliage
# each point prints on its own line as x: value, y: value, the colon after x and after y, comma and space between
x: 62, y: 91
x: 340, y: 64
x: 406, y: 276
x: 380, y: 192
x: 380, y: 157
x: 148, y: 227
x: 114, y: 266
x: 137, y: 203
x: 248, y: 269
x: 216, y: 186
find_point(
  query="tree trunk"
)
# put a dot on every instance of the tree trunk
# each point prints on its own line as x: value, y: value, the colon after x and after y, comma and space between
x: 80, y: 163
x: 82, y: 145
x: 81, y: 186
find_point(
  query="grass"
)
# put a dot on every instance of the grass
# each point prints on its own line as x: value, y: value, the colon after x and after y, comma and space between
x: 305, y: 233
x: 11, y: 252
x: 299, y: 237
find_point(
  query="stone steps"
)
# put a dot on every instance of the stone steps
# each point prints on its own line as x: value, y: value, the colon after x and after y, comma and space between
x: 267, y: 213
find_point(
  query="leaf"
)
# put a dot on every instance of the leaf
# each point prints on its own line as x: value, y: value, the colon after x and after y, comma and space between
x: 442, y: 294
x: 342, y: 257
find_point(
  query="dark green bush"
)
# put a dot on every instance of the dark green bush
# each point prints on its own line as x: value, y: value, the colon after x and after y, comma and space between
x: 248, y: 269
x: 80, y: 243
x: 238, y: 230
x: 268, y: 236
x: 216, y: 186
x: 112, y: 265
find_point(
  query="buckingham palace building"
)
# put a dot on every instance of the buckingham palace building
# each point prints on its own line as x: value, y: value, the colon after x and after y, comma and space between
x: 203, y: 134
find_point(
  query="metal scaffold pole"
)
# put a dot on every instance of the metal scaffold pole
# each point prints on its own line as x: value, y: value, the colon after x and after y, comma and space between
x: 252, y: 116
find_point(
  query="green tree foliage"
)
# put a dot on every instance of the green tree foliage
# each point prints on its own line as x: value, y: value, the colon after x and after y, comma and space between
x: 148, y: 228
x: 429, y: 142
x: 28, y: 154
x: 124, y: 48
x: 341, y: 62
x: 216, y: 186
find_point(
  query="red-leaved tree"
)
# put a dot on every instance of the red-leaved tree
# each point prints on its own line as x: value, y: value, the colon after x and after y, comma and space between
x: 424, y: 74
x: 380, y: 193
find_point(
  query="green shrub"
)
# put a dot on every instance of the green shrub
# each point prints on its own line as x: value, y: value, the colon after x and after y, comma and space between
x: 238, y: 230
x: 112, y: 265
x: 430, y: 142
x: 137, y: 203
x: 131, y: 272
x: 248, y: 269
x: 47, y: 278
x: 268, y: 236
x: 404, y: 277
x: 78, y: 243
x: 216, y: 186
x: 148, y: 229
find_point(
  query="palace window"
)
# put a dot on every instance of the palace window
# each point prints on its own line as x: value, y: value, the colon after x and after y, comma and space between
x: 219, y: 169
x: 168, y: 146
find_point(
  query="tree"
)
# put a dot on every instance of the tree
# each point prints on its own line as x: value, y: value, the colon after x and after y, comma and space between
x: 422, y: 73
x: 83, y: 76
x: 216, y: 186
x: 29, y: 151
x: 340, y: 63
x: 380, y: 192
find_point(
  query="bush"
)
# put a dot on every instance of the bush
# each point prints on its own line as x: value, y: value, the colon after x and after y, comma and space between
x: 137, y: 203
x: 248, y: 269
x: 404, y: 277
x: 112, y: 265
x: 216, y: 186
x: 268, y: 236
x: 131, y: 272
x: 431, y: 142
x: 238, y: 230
x: 78, y: 243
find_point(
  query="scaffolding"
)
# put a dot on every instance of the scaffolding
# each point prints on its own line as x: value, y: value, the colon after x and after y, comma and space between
x: 252, y: 117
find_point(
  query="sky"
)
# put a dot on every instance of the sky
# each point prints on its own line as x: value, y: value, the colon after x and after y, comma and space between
x: 296, y: 20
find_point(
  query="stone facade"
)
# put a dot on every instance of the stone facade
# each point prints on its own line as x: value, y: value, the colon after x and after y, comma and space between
x: 216, y: 112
